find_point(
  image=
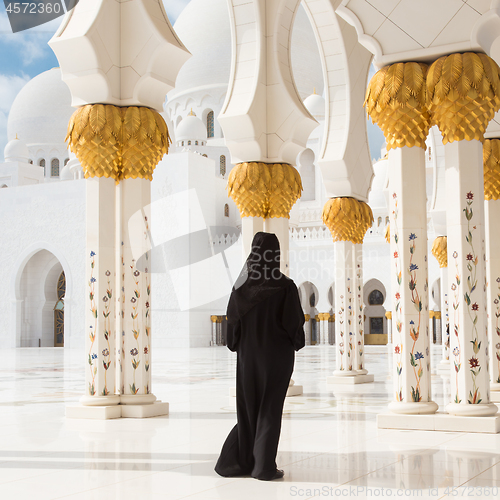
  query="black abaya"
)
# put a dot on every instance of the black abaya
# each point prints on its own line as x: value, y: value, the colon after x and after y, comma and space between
x: 265, y: 338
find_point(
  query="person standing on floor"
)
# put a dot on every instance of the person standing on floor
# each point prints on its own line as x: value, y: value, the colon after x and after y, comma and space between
x: 265, y: 328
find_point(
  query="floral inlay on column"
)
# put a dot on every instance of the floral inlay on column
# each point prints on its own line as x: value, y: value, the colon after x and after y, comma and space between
x: 455, y: 288
x: 497, y: 327
x: 340, y: 312
x: 359, y: 291
x: 136, y: 329
x: 398, y: 348
x: 107, y: 332
x: 92, y: 328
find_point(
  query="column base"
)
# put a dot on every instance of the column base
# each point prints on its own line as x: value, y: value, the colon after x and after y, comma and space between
x: 100, y: 400
x: 467, y: 410
x: 440, y: 421
x: 155, y: 409
x: 411, y: 408
x: 351, y: 377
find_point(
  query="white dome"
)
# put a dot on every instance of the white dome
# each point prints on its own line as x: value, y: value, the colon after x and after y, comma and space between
x: 41, y: 111
x: 204, y: 28
x: 16, y: 150
x: 66, y: 174
x: 191, y: 128
x: 315, y: 104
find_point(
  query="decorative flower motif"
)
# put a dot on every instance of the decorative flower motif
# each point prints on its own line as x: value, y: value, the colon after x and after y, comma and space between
x: 93, y: 280
x: 394, y: 195
x: 94, y: 356
x: 456, y: 351
x: 92, y: 254
x: 455, y: 255
x: 146, y: 219
x: 470, y: 195
x: 146, y: 270
x: 105, y: 299
x: 396, y: 350
x: 136, y: 273
x: 419, y: 355
x: 427, y: 351
x: 473, y: 362
x: 496, y: 301
x: 134, y: 352
x: 105, y: 352
x: 412, y: 322
x: 146, y: 350
x: 147, y: 304
x: 475, y: 306
x: 133, y: 300
x: 398, y: 296
x: 469, y: 256
x: 412, y: 236
x: 396, y: 255
x: 453, y: 286
x: 498, y: 280
x: 108, y: 273
x: 341, y: 344
x: 413, y: 267
x: 498, y: 346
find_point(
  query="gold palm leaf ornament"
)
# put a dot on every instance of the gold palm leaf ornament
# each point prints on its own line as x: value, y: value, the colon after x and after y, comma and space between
x: 347, y: 218
x: 462, y: 95
x: 491, y: 161
x: 440, y: 250
x: 115, y: 142
x: 396, y: 101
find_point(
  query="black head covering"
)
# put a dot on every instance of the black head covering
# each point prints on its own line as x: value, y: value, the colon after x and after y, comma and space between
x: 260, y: 277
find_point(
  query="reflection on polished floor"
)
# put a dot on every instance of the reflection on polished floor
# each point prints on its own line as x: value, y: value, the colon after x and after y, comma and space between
x: 330, y: 446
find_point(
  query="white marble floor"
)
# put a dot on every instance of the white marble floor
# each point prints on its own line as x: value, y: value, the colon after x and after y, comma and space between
x: 330, y: 446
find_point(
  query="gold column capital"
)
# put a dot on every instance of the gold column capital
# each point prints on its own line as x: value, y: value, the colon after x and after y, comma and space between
x: 324, y: 316
x: 440, y: 250
x: 347, y: 219
x: 396, y: 101
x: 213, y: 318
x: 307, y: 317
x: 121, y: 143
x: 388, y: 314
x: 264, y: 189
x: 491, y: 162
x: 463, y: 95
x: 437, y: 314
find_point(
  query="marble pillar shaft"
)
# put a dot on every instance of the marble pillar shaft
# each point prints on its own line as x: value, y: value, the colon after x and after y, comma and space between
x: 100, y: 333
x: 470, y: 382
x: 280, y: 227
x: 345, y: 313
x: 249, y: 227
x: 412, y: 376
x: 445, y: 330
x: 492, y: 220
x: 136, y: 292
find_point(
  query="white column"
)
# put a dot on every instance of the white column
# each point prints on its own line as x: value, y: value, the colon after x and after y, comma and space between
x: 492, y: 216
x: 213, y: 319
x: 136, y: 308
x: 307, y: 329
x: 249, y: 227
x: 280, y: 227
x: 444, y: 364
x: 388, y: 316
x: 470, y: 382
x: 348, y: 362
x: 358, y: 319
x: 100, y: 386
x: 412, y: 374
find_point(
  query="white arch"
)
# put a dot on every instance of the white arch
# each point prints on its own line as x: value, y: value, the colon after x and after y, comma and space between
x: 15, y: 285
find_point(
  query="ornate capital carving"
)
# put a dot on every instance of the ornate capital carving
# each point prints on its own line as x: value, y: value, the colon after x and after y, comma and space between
x: 264, y: 190
x: 440, y: 250
x: 463, y: 95
x: 347, y: 218
x: 214, y: 318
x: 387, y: 234
x: 388, y: 314
x: 396, y: 101
x: 307, y: 317
x: 115, y: 142
x: 491, y: 162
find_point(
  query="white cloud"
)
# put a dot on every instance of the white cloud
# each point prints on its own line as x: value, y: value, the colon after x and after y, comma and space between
x: 9, y: 88
x: 32, y: 43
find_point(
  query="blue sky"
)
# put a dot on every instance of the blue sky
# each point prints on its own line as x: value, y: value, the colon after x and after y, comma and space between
x: 26, y: 54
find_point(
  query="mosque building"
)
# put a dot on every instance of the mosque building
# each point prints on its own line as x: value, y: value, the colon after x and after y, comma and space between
x: 47, y: 229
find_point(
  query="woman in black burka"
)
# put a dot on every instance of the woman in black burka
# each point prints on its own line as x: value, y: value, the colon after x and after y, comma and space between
x: 265, y: 328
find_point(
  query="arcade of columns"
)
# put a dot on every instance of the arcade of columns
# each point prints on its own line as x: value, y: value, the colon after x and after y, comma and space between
x: 119, y: 138
x: 460, y: 94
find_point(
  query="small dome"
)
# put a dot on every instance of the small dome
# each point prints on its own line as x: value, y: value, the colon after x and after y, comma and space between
x: 191, y: 128
x: 315, y: 104
x: 41, y: 111
x: 66, y: 174
x: 16, y: 150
